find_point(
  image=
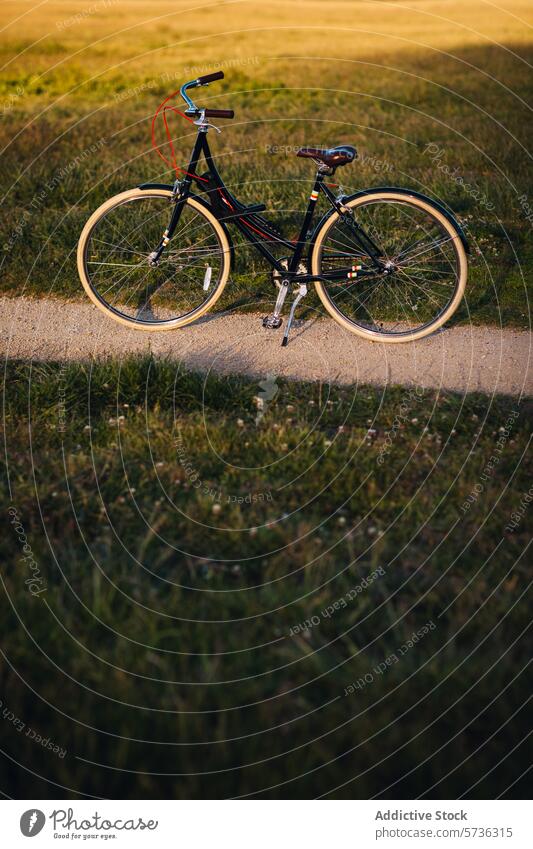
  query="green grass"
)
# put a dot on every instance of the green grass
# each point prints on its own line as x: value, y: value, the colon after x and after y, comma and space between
x: 153, y: 597
x: 181, y: 545
x: 78, y: 106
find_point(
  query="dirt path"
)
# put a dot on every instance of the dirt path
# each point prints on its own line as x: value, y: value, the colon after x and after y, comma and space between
x: 465, y: 359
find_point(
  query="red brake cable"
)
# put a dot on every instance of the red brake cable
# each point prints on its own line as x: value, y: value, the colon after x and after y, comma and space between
x: 163, y: 109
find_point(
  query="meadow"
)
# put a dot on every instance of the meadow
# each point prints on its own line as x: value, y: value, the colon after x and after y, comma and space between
x: 434, y: 97
x: 328, y: 600
x: 200, y: 641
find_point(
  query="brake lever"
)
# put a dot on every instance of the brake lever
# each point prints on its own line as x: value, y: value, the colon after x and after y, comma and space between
x: 201, y: 122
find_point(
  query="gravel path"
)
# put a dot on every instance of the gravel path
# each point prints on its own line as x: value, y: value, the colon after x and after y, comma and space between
x: 465, y: 359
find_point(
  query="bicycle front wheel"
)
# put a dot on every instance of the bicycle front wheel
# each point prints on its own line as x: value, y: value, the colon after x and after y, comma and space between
x: 113, y: 265
x: 425, y: 260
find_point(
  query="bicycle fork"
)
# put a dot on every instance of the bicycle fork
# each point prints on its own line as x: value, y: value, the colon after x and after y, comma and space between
x: 179, y: 196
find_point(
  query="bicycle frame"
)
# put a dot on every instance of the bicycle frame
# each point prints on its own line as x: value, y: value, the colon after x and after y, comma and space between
x: 242, y: 218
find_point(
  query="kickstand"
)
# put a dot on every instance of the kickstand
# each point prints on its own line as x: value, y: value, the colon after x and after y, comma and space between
x: 302, y: 292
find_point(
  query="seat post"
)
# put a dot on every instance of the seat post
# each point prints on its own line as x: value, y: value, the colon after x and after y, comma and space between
x: 325, y: 170
x: 302, y: 238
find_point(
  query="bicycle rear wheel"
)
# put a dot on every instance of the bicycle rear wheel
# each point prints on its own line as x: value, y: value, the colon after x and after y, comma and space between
x: 113, y: 262
x: 426, y: 260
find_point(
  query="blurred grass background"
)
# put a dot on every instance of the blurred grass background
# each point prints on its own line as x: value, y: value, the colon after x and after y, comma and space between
x: 152, y: 595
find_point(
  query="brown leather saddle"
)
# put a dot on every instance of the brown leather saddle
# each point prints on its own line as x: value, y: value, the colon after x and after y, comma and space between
x: 333, y: 157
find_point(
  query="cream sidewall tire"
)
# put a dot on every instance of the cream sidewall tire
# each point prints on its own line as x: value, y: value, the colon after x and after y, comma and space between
x: 372, y: 335
x: 167, y: 325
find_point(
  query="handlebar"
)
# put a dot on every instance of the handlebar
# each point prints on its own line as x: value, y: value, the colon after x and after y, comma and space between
x: 210, y: 78
x: 192, y: 109
x: 219, y: 113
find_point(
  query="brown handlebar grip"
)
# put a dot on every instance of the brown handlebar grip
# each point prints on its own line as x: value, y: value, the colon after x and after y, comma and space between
x: 219, y: 113
x: 210, y: 78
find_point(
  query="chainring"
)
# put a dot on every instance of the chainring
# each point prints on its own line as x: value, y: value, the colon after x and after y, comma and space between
x: 284, y: 262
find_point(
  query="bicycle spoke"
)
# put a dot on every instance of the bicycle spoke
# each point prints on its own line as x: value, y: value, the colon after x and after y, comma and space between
x: 116, y: 260
x: 419, y: 255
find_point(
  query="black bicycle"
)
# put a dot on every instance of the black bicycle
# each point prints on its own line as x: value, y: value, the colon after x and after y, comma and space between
x: 388, y: 264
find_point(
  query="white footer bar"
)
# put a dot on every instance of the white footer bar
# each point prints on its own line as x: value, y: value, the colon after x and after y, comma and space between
x: 266, y: 824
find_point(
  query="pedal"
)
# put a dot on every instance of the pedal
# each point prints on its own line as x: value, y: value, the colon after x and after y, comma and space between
x: 272, y: 322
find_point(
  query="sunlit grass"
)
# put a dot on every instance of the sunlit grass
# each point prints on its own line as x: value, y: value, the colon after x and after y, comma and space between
x: 389, y: 79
